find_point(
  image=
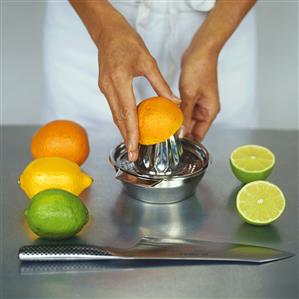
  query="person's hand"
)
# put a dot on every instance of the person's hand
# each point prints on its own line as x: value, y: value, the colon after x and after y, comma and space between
x: 199, y: 91
x: 198, y: 81
x: 123, y: 56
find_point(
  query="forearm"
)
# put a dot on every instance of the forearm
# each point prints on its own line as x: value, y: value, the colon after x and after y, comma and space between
x: 98, y: 17
x: 220, y: 24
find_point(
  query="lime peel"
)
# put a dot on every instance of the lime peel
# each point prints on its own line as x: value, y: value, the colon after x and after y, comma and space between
x: 56, y: 214
x: 248, y: 169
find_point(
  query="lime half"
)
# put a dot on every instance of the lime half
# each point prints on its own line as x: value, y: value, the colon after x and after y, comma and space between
x: 252, y: 163
x: 260, y: 202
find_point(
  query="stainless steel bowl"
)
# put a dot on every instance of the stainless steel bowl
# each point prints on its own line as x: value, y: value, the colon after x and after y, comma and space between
x: 162, y: 189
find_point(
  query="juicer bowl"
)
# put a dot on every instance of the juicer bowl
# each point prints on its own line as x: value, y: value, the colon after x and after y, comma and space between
x: 162, y: 189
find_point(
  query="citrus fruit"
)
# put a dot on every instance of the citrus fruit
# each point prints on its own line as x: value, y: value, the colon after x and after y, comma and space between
x: 56, y: 214
x: 158, y: 119
x: 260, y: 202
x: 61, y: 138
x: 53, y: 172
x: 251, y: 163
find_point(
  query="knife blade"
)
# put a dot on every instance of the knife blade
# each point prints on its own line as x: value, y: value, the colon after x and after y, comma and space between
x: 152, y: 248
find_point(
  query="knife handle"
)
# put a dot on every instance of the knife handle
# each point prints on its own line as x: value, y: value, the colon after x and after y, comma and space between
x: 63, y: 252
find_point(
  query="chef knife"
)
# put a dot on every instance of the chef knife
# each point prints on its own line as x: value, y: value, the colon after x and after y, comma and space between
x: 152, y: 248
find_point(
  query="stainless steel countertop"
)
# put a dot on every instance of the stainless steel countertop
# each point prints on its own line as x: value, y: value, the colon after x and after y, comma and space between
x: 117, y: 220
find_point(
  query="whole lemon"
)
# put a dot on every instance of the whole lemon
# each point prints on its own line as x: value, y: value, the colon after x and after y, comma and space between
x: 158, y: 119
x: 61, y: 138
x: 56, y: 214
x: 53, y: 172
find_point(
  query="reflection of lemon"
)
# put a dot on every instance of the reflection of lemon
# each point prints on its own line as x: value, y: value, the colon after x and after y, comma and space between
x: 56, y: 214
x: 251, y: 163
x: 53, y: 172
x: 158, y: 119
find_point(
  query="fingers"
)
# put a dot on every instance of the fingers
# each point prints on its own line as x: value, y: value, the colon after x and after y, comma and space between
x: 108, y: 90
x: 158, y: 83
x: 200, y: 129
x: 117, y: 87
x: 121, y: 100
x: 204, y: 117
x: 127, y: 114
x: 200, y: 113
x: 187, y: 106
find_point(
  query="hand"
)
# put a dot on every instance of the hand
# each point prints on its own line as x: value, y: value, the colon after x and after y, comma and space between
x: 198, y: 81
x: 199, y: 91
x: 123, y: 56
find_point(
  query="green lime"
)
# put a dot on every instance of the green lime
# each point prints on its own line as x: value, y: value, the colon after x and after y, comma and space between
x: 260, y: 202
x: 252, y: 163
x: 56, y: 214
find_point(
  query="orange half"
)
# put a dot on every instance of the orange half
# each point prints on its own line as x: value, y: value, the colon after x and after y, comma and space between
x: 158, y: 118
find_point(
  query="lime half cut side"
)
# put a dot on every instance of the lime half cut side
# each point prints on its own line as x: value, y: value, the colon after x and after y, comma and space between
x: 260, y: 203
x: 252, y: 163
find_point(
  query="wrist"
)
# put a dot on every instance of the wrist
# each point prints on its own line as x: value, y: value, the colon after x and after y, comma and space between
x: 201, y: 52
x: 207, y: 45
x: 212, y: 47
x: 107, y: 21
x: 113, y: 27
x: 99, y: 17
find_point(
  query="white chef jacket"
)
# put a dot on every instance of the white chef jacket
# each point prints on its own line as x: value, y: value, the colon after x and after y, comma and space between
x: 167, y: 27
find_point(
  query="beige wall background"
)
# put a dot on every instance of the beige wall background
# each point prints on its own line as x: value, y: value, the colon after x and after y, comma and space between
x: 22, y: 79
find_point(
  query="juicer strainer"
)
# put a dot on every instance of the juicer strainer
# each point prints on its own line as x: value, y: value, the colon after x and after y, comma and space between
x: 165, y: 172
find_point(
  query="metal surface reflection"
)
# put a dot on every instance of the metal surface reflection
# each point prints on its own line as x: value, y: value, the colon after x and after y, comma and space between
x: 136, y: 218
x: 116, y: 266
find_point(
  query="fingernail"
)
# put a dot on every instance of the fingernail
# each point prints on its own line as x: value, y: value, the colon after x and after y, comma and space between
x: 181, y: 132
x: 130, y: 156
x: 198, y: 138
x: 186, y: 130
x: 176, y: 99
x: 207, y: 112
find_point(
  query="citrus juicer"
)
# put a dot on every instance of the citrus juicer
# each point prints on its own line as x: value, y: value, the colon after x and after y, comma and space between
x: 165, y: 172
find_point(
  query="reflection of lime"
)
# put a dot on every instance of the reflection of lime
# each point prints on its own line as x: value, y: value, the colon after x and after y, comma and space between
x: 251, y: 163
x: 247, y: 233
x: 56, y: 214
x: 260, y: 202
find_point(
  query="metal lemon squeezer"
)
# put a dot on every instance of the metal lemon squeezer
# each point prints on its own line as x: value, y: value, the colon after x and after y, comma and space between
x: 165, y: 172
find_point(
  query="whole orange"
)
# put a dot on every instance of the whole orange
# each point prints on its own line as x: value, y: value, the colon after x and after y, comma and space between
x: 158, y: 119
x: 61, y: 138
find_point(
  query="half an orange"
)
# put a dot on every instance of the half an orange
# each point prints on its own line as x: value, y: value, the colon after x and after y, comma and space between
x: 158, y: 118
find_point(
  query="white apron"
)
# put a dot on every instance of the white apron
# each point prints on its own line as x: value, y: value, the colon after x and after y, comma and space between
x: 167, y: 27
